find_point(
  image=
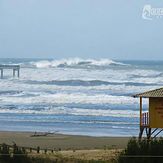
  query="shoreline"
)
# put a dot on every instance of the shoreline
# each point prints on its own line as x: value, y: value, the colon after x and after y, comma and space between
x: 112, y: 133
x: 62, y: 141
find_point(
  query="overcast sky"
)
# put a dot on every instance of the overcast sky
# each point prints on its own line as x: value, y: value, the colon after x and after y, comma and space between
x: 111, y: 29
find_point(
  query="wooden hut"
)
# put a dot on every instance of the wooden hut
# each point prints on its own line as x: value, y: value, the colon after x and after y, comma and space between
x: 151, y: 121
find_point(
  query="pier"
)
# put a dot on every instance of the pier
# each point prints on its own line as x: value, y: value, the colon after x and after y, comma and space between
x: 15, y: 68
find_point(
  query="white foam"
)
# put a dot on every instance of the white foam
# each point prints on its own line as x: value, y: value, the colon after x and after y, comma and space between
x: 109, y: 112
x: 74, y: 62
x: 75, y: 111
x: 64, y: 98
x: 34, y: 118
x: 42, y: 64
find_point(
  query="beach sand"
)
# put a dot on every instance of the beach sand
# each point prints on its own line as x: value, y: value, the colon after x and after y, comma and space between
x: 63, y: 142
x: 66, y: 147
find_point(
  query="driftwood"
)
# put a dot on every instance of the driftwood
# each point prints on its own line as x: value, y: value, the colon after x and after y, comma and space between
x: 37, y: 134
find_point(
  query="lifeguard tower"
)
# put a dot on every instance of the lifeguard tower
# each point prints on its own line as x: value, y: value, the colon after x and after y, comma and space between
x: 151, y: 121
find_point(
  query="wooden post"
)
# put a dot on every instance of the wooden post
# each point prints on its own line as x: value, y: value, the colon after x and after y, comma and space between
x: 13, y: 72
x: 149, y: 134
x: 140, y: 111
x: 1, y: 73
x: 141, y: 124
x: 18, y: 73
x: 38, y: 149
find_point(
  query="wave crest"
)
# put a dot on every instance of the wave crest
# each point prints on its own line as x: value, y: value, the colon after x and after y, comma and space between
x: 72, y: 111
x: 75, y: 62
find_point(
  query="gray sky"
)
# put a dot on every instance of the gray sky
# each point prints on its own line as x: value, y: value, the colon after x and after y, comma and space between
x: 111, y: 29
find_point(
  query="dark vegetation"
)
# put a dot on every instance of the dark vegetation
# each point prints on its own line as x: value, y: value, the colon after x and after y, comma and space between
x: 15, y: 154
x: 144, y: 151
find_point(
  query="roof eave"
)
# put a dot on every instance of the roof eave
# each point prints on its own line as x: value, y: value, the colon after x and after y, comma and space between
x: 137, y: 96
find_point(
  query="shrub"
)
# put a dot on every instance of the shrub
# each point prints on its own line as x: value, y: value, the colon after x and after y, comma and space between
x: 142, y: 151
x: 18, y: 155
x: 4, y: 153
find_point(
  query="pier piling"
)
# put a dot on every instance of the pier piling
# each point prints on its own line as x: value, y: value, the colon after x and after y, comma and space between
x: 13, y: 67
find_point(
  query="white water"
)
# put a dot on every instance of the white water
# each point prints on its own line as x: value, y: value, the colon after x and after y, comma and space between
x: 69, y: 94
x: 74, y: 62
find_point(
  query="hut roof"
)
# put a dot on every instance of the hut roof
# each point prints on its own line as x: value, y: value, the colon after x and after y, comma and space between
x: 152, y: 93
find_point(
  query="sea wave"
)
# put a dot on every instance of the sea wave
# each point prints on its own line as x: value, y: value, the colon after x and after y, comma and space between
x: 75, y: 62
x: 74, y: 111
x: 69, y: 98
x: 89, y: 83
x: 153, y: 74
x: 19, y: 119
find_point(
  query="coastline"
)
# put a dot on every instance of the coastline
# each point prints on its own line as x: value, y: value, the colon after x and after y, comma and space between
x: 62, y: 141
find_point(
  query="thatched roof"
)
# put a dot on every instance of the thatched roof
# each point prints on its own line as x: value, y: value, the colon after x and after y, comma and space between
x: 152, y: 93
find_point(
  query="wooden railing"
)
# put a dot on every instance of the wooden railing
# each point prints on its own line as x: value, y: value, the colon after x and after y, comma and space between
x: 145, y: 119
x: 9, y: 66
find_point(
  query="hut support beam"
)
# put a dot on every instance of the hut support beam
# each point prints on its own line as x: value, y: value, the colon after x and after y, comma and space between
x: 141, y: 132
x: 141, y: 127
x: 158, y: 133
x: 140, y: 112
x: 148, y: 132
x: 154, y: 131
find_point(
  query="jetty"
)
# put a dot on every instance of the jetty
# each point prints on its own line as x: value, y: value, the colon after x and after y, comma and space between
x: 15, y: 68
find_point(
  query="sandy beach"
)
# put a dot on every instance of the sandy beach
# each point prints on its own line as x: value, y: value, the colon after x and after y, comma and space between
x: 64, y: 142
x: 66, y: 147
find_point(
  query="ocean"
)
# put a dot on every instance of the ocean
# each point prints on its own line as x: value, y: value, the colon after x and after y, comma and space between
x: 76, y: 96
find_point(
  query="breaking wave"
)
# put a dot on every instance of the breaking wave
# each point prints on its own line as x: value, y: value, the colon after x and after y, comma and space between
x: 75, y: 62
x: 89, y: 83
x: 74, y: 111
x: 67, y: 98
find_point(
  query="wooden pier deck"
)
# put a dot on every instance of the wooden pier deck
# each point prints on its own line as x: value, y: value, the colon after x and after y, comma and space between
x: 15, y: 68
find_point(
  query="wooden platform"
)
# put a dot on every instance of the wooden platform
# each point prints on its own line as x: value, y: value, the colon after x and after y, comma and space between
x: 15, y: 68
